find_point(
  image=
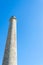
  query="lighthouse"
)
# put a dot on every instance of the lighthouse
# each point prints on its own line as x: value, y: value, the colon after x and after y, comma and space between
x: 10, y: 54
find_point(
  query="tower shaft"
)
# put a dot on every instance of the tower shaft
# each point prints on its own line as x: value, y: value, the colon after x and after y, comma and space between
x: 10, y: 55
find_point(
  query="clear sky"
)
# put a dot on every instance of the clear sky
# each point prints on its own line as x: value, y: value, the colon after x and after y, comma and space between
x: 29, y: 15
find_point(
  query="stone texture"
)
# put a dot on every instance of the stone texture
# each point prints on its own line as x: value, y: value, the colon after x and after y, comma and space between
x: 10, y: 54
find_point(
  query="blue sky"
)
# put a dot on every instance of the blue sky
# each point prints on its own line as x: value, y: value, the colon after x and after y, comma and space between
x: 29, y: 15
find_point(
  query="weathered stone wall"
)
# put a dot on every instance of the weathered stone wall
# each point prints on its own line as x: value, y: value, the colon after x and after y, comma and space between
x: 10, y: 55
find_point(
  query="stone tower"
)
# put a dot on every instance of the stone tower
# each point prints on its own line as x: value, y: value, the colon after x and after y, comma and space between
x: 10, y: 54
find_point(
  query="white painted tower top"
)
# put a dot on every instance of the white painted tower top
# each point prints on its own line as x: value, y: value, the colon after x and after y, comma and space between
x: 12, y: 18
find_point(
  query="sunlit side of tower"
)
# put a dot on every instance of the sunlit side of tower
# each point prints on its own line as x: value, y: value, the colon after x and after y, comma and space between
x: 10, y: 54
